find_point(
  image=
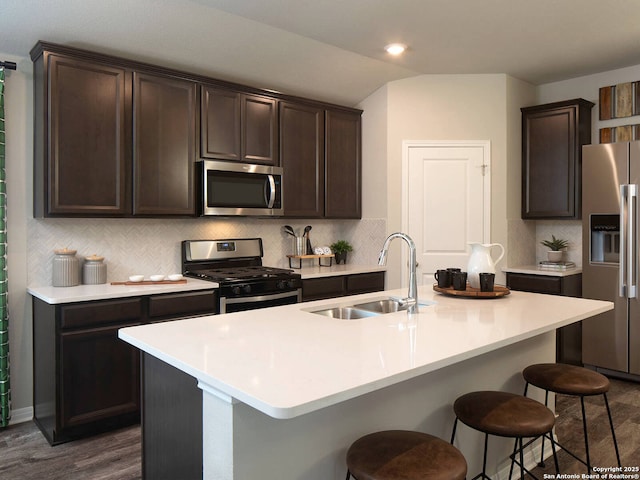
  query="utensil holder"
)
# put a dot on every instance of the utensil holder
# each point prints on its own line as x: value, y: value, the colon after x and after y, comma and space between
x: 299, y: 247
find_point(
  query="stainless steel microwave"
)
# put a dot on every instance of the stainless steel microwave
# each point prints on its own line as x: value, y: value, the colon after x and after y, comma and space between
x: 227, y: 188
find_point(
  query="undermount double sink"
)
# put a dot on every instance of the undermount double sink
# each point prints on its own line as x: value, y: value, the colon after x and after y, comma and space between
x: 372, y: 308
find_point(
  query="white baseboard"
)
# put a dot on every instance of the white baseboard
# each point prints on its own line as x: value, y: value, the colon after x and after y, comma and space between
x: 21, y: 415
x: 531, y: 458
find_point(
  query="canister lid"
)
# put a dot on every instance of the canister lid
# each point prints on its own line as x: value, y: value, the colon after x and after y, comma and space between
x: 65, y: 251
x: 94, y: 258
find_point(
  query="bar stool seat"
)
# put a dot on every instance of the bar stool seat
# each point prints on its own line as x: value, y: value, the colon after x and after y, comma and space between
x: 567, y: 379
x: 503, y: 414
x: 404, y: 455
x: 575, y: 381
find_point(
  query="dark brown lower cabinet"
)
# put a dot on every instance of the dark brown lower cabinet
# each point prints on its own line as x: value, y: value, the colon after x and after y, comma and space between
x: 87, y: 380
x: 341, y: 285
x: 569, y: 338
x: 171, y: 422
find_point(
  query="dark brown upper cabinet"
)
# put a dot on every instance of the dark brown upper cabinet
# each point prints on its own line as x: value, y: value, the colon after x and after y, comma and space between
x: 164, y: 119
x: 109, y: 140
x: 343, y: 163
x: 320, y: 157
x: 238, y: 127
x: 302, y: 159
x: 82, y: 137
x: 120, y: 138
x: 552, y: 139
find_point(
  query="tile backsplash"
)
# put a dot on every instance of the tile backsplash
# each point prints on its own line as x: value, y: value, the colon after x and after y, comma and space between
x: 150, y: 246
x: 570, y: 230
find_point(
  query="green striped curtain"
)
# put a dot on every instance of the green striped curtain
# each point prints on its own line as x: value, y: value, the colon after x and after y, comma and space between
x: 5, y: 392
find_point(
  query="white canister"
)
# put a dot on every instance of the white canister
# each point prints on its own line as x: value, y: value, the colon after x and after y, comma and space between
x: 94, y: 270
x: 66, y: 268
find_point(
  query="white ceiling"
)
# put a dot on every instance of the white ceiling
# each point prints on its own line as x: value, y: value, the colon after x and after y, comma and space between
x: 332, y: 49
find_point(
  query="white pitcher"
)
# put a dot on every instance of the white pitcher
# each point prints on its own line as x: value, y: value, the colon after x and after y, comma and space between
x: 480, y: 261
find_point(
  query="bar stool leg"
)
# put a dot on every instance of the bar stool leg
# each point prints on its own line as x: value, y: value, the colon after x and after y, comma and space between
x: 484, y: 457
x: 546, y: 404
x: 453, y: 434
x: 613, y: 433
x: 555, y: 455
x: 348, y: 475
x: 586, y: 439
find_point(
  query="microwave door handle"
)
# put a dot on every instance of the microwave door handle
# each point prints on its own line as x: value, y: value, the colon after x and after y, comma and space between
x: 270, y: 191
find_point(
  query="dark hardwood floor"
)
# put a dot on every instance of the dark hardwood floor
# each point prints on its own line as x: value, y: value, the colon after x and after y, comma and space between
x: 624, y: 400
x: 26, y: 455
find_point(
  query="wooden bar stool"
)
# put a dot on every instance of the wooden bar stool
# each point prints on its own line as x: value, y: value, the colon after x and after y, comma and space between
x: 504, y: 414
x: 576, y: 381
x: 404, y: 455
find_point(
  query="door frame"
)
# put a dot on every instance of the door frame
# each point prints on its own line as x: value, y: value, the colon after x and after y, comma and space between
x: 407, y: 145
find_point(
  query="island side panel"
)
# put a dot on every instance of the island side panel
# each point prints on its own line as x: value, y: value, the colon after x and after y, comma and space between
x: 171, y: 422
x: 313, y: 446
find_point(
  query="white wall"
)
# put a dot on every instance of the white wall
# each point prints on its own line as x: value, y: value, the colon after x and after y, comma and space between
x: 451, y: 107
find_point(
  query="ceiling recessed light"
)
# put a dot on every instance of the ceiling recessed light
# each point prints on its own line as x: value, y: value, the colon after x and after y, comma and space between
x: 395, y: 48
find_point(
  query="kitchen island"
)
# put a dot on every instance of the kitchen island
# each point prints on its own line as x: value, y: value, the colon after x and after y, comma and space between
x: 285, y: 391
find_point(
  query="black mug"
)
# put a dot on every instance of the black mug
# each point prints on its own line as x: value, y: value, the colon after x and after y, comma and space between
x: 486, y: 281
x: 443, y: 277
x: 459, y: 280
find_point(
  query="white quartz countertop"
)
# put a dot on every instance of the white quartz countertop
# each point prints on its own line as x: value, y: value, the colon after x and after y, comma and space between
x: 316, y: 271
x: 285, y: 361
x: 534, y: 270
x: 85, y: 293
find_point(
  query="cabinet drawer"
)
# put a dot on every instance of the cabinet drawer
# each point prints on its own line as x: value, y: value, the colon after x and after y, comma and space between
x: 99, y: 313
x: 535, y: 283
x: 183, y: 304
x: 319, y: 288
x: 365, y: 282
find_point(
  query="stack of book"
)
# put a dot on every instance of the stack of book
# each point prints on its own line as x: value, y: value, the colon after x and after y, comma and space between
x: 545, y: 265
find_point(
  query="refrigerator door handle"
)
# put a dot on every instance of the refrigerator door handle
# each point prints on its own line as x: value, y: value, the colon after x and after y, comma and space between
x: 628, y: 197
x: 632, y: 250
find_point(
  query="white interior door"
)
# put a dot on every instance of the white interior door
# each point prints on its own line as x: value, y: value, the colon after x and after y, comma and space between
x: 447, y: 202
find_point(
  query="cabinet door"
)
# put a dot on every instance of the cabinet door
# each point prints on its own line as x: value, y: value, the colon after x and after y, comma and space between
x: 365, y: 283
x: 259, y: 130
x: 99, y: 376
x: 324, y: 287
x: 552, y: 139
x: 220, y: 124
x: 164, y: 139
x: 343, y: 198
x: 87, y: 172
x: 302, y: 159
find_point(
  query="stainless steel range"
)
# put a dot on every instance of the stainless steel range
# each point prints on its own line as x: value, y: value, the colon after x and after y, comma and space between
x: 236, y: 265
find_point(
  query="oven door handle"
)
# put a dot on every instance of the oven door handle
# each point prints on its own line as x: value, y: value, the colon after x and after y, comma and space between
x: 260, y: 298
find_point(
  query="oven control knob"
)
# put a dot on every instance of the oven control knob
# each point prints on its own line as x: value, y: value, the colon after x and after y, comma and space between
x: 246, y: 288
x: 281, y: 285
x: 235, y: 290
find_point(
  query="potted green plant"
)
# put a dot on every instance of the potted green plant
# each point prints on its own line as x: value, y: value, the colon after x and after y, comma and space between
x: 340, y: 249
x: 555, y: 245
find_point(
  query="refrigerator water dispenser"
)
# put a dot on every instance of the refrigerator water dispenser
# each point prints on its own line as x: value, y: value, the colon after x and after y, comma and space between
x: 605, y: 238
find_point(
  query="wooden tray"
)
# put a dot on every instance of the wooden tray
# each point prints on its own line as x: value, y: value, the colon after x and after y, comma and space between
x: 149, y: 282
x: 470, y: 292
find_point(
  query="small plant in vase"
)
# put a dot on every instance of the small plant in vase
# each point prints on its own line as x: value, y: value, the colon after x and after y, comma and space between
x: 340, y: 249
x: 555, y: 245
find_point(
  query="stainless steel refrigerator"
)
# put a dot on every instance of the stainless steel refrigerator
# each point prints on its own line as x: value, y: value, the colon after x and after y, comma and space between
x: 610, y: 266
